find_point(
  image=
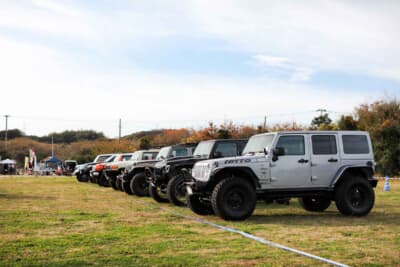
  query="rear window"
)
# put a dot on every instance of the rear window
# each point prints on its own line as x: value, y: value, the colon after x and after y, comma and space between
x: 355, y: 144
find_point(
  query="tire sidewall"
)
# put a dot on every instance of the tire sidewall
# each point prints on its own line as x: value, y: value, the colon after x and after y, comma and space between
x: 343, y: 201
x: 221, y: 195
x: 136, y: 185
x: 172, y: 188
x: 194, y: 204
x: 153, y: 191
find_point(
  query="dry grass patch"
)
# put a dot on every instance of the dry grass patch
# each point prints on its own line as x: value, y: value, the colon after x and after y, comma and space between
x: 59, y: 222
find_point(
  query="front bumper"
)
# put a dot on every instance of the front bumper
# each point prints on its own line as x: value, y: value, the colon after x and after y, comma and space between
x: 192, y: 185
x: 156, y: 176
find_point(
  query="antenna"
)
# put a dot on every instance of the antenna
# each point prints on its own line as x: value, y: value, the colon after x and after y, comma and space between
x: 119, y: 130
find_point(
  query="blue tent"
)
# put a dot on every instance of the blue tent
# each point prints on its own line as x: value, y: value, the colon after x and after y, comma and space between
x: 53, y: 162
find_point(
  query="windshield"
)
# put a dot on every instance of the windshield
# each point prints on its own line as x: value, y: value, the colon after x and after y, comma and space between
x: 163, y: 154
x: 149, y: 155
x: 203, y: 149
x: 135, y: 155
x: 101, y: 158
x: 180, y: 152
x: 110, y: 159
x: 257, y: 143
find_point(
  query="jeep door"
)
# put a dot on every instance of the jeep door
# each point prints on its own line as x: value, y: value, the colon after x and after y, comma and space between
x: 293, y: 168
x: 325, y: 159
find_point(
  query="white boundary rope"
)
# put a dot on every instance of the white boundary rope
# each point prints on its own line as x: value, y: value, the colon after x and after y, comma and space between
x: 247, y: 235
x: 384, y: 178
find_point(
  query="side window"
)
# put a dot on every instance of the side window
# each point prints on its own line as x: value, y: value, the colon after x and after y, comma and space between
x: 292, y: 145
x: 355, y: 144
x: 226, y: 149
x: 324, y: 145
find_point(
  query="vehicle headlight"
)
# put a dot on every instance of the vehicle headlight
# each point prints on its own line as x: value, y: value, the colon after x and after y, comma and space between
x: 201, y: 171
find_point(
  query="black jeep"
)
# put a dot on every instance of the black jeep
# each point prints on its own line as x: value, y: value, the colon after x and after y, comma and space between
x: 134, y: 181
x: 167, y: 177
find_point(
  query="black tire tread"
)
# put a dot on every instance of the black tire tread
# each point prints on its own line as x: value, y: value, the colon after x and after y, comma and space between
x: 135, y: 185
x: 220, y: 187
x: 172, y: 183
x: 153, y: 192
x: 340, y: 196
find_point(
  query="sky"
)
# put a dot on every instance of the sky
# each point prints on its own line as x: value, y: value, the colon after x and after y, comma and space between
x: 70, y: 65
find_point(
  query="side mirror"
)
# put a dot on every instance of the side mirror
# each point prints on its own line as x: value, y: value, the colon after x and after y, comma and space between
x: 265, y: 151
x: 278, y: 151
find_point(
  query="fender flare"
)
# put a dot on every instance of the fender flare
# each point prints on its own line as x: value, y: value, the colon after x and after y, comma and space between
x: 343, y: 169
x: 252, y: 177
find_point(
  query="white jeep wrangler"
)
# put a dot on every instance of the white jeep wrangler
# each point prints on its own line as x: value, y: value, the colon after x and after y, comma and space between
x: 315, y: 166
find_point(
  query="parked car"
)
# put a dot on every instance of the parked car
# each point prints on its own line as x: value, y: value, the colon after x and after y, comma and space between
x: 316, y: 167
x: 166, y: 180
x: 112, y: 169
x: 139, y: 161
x: 69, y: 167
x: 82, y: 171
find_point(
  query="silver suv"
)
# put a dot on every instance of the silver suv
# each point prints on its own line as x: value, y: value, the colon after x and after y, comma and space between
x: 315, y: 166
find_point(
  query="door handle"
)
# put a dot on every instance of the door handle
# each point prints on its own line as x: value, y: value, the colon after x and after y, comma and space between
x: 332, y: 160
x: 302, y: 161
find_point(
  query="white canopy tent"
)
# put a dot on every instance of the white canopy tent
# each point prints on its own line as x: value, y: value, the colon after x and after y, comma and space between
x: 8, y: 166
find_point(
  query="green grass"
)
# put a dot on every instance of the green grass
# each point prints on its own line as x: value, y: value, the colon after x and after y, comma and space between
x: 55, y: 221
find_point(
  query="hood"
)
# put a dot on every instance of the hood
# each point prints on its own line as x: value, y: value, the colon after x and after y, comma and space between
x: 140, y: 163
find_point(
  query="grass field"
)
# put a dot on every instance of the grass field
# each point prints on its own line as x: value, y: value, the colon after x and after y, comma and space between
x: 55, y: 221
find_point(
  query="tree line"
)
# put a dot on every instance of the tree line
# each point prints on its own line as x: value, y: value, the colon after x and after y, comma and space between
x: 380, y: 118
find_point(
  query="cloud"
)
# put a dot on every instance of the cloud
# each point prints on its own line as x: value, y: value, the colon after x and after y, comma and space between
x: 352, y: 37
x: 299, y: 39
x: 42, y: 84
x: 296, y: 72
x: 55, y: 7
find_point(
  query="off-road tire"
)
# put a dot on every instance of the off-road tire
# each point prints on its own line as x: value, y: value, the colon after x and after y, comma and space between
x: 139, y: 186
x: 113, y: 183
x: 176, y: 190
x: 82, y: 178
x: 118, y: 184
x: 93, y: 179
x: 155, y: 194
x: 199, y: 207
x: 233, y: 199
x: 126, y: 186
x: 354, y: 196
x: 102, y: 181
x: 316, y: 204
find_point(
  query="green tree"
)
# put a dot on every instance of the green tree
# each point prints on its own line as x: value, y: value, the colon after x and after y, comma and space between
x: 382, y: 120
x: 347, y: 123
x: 224, y: 134
x: 11, y: 134
x: 321, y: 122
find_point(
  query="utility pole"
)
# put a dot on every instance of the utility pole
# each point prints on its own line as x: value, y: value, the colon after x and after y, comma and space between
x: 6, y: 133
x: 119, y: 130
x: 52, y: 146
x: 321, y: 110
x: 265, y: 122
